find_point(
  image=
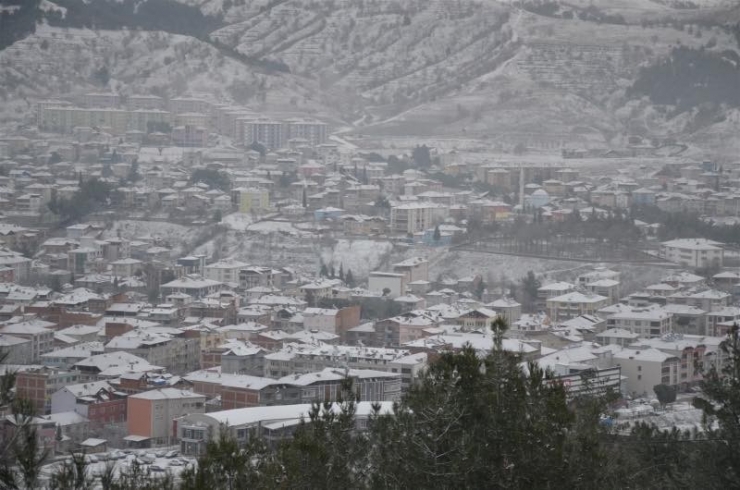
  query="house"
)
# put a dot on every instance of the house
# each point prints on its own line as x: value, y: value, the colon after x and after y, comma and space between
x: 156, y: 409
x: 98, y: 401
x: 507, y: 308
x: 478, y: 319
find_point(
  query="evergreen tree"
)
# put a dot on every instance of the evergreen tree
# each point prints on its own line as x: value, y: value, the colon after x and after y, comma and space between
x: 349, y: 279
x: 721, y: 405
x: 530, y: 287
x: 332, y: 272
x: 324, y: 272
x: 437, y: 236
x: 341, y: 271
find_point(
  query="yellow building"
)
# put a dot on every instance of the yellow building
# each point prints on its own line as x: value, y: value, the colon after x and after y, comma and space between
x: 253, y: 200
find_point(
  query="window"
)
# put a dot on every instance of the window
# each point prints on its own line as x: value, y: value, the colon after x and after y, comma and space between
x: 639, y: 369
x: 639, y: 377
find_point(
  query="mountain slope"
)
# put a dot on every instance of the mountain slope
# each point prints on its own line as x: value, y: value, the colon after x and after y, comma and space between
x: 538, y: 73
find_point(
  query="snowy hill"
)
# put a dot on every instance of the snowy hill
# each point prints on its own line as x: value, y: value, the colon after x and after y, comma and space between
x: 533, y: 73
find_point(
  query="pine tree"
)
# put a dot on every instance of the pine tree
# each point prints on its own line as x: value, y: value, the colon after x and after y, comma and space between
x: 437, y: 235
x: 721, y: 405
x: 341, y: 272
x: 324, y: 272
x: 349, y: 279
x: 332, y: 272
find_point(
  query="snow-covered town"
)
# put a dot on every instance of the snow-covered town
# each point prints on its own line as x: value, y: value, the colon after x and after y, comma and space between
x: 204, y: 281
x: 226, y: 241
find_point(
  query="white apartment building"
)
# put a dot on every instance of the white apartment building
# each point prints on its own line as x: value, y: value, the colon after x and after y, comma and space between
x: 645, y: 368
x: 575, y: 304
x: 645, y: 322
x: 314, y: 132
x: 693, y: 252
x: 393, y: 281
x: 224, y: 271
x: 417, y: 216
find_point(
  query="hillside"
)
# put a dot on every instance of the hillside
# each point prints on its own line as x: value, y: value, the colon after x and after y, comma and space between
x: 538, y: 74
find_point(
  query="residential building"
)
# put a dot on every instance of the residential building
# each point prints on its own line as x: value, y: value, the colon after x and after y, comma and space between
x: 37, y: 385
x: 575, y: 304
x: 225, y: 271
x: 272, y: 424
x: 645, y: 322
x: 693, y: 252
x: 99, y: 401
x: 37, y: 331
x: 414, y: 217
x: 156, y: 409
x: 645, y: 368
x: 392, y: 284
x: 15, y: 350
x: 415, y: 269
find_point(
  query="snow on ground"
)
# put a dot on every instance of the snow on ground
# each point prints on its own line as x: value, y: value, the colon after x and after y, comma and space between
x: 155, y: 230
x: 237, y: 221
x: 359, y: 256
x: 266, y: 227
x: 494, y: 268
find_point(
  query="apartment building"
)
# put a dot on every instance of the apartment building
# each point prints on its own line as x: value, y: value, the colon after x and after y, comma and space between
x: 552, y: 290
x: 414, y: 217
x: 322, y: 386
x: 693, y: 252
x: 314, y: 132
x: 38, y: 332
x: 309, y: 358
x: 172, y: 350
x: 251, y: 199
x: 226, y: 271
x: 37, y: 385
x: 571, y: 305
x: 645, y: 368
x: 415, y: 269
x: 272, y: 424
x: 156, y: 409
x: 267, y: 132
x: 646, y: 322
